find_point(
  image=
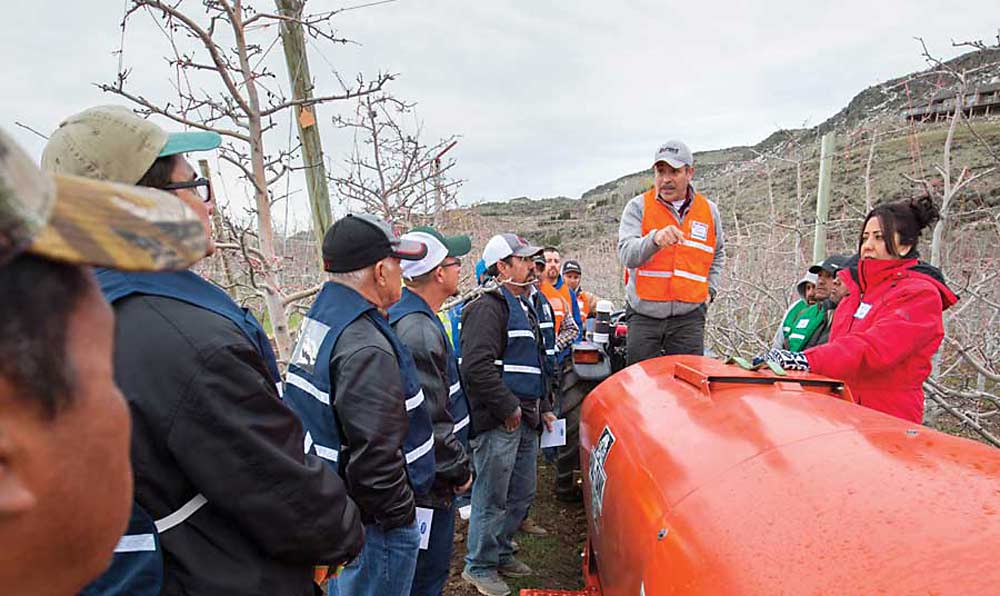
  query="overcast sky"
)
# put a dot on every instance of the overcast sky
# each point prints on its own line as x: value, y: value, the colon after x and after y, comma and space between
x: 549, y: 98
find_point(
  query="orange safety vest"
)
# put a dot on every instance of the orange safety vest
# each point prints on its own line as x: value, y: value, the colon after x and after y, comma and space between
x: 585, y: 301
x: 680, y: 272
x: 560, y: 301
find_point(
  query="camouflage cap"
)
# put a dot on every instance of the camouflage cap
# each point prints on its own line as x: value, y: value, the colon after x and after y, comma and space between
x: 89, y: 222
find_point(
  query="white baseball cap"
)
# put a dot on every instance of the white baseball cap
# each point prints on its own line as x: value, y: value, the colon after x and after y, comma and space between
x: 502, y: 246
x: 438, y: 246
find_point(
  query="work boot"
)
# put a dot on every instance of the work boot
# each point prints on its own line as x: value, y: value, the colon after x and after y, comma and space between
x: 514, y: 568
x: 528, y: 526
x: 488, y: 583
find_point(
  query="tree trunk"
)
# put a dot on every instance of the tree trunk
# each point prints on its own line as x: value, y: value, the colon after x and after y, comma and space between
x: 265, y: 227
x: 937, y: 241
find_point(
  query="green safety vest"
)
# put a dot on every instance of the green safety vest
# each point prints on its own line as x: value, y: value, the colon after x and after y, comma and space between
x: 800, y: 323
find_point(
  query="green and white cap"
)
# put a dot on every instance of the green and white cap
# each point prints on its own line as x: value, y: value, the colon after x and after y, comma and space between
x: 113, y: 143
x: 438, y: 246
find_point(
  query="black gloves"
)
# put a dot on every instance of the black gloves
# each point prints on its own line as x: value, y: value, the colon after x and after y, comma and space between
x: 785, y: 359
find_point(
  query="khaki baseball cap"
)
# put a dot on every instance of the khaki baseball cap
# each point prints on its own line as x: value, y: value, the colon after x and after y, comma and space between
x: 113, y: 143
x: 90, y: 222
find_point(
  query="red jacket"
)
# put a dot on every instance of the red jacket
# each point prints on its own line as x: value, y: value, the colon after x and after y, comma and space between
x: 884, y: 335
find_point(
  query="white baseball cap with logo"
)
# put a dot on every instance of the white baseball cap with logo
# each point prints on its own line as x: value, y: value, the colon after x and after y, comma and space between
x: 674, y: 153
x: 502, y: 246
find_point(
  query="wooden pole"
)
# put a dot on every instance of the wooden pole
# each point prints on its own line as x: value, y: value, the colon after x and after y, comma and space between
x: 823, y: 196
x: 293, y: 42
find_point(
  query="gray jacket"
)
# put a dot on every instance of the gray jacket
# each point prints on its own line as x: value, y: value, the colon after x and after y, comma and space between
x: 634, y: 249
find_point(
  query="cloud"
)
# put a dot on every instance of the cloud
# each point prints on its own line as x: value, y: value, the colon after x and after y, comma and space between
x: 550, y: 98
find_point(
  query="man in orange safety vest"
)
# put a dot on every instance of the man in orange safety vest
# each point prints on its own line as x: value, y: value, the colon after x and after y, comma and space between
x: 671, y: 241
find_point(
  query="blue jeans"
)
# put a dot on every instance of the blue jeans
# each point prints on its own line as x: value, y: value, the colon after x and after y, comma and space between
x: 504, y: 488
x: 385, y: 566
x: 434, y: 563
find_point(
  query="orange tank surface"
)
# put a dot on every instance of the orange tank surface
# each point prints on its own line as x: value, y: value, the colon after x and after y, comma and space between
x: 702, y: 478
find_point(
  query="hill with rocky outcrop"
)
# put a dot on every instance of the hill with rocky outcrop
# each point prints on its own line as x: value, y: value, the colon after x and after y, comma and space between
x: 774, y: 181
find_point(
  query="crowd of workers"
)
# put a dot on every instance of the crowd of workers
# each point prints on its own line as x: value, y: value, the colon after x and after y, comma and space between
x: 349, y: 469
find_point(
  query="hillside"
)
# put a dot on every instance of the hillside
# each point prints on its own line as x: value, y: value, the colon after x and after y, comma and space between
x: 754, y: 185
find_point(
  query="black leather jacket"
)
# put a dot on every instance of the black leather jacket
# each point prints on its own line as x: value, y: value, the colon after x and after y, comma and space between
x: 206, y: 418
x: 368, y: 397
x: 451, y: 463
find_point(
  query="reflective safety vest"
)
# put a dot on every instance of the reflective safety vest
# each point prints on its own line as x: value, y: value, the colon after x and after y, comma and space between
x: 308, y: 390
x: 677, y: 273
x: 190, y: 287
x: 563, y: 301
x: 585, y: 302
x: 547, y: 327
x: 455, y: 316
x: 137, y: 565
x: 801, y: 322
x: 523, y: 363
x: 458, y: 403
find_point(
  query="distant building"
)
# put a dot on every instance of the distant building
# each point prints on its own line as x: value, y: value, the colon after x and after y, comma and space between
x: 978, y: 101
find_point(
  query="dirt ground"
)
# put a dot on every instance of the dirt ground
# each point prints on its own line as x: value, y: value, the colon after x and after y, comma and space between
x: 556, y: 557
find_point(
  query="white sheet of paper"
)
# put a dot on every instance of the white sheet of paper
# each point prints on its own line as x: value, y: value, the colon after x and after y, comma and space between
x: 465, y: 512
x: 556, y: 438
x: 424, y: 519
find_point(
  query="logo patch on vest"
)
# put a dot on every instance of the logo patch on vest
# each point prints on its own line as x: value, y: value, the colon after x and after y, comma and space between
x: 699, y: 231
x: 802, y: 324
x: 311, y: 336
x: 862, y: 311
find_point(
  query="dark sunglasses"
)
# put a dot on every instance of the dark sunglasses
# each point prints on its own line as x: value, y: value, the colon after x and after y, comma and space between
x: 456, y: 263
x: 201, y: 186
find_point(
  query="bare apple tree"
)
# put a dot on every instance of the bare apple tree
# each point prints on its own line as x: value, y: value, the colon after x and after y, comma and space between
x: 390, y: 171
x: 223, y: 84
x: 965, y: 382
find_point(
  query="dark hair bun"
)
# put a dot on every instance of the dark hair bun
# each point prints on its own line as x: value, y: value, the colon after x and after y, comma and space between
x: 924, y: 210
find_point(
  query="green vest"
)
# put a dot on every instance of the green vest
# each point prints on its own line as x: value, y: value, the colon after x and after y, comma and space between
x: 800, y: 323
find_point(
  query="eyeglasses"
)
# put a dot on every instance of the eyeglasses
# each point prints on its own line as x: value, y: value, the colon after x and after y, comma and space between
x: 201, y: 186
x: 456, y: 263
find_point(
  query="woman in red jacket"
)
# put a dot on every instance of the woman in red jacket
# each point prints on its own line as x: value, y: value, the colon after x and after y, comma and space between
x: 886, y: 331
